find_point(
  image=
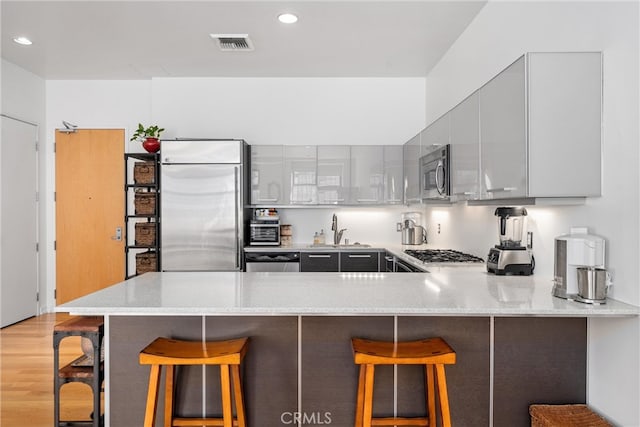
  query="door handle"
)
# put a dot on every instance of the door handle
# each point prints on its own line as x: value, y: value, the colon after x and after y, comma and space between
x: 118, y: 235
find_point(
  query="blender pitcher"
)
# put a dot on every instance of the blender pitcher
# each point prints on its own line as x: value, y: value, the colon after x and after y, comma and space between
x: 511, y: 225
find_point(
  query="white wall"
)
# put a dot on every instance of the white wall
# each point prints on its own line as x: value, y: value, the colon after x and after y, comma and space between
x: 118, y: 104
x: 23, y: 97
x: 500, y: 33
x: 291, y: 110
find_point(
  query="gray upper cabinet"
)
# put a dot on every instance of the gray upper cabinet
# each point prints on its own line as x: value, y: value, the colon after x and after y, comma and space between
x: 334, y: 174
x: 465, y: 149
x: 267, y: 169
x: 540, y: 127
x: 300, y: 175
x: 503, y: 134
x: 393, y: 177
x: 326, y: 174
x: 367, y: 175
x: 435, y: 135
x: 565, y: 116
x: 411, y: 157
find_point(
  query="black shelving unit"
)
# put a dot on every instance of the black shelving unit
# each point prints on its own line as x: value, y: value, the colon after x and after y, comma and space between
x: 146, y: 220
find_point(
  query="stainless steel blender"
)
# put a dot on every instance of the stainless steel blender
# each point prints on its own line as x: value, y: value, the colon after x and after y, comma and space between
x: 511, y: 256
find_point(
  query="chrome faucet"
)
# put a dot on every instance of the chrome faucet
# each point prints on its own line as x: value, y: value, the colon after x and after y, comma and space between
x: 337, y: 234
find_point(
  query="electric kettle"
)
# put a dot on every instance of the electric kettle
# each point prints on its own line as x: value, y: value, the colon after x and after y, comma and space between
x: 412, y: 233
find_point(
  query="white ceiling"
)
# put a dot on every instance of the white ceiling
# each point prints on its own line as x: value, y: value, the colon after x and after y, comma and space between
x: 144, y: 39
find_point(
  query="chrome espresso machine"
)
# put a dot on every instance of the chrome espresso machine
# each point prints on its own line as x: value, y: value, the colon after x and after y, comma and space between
x: 511, y: 256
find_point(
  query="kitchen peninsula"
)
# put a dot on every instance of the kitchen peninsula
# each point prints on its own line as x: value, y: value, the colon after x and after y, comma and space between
x: 516, y: 344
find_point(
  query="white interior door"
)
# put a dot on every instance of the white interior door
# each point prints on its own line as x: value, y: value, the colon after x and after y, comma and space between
x: 19, y: 218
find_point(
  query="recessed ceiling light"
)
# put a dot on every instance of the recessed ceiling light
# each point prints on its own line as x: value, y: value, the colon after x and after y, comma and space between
x: 23, y: 40
x: 287, y: 18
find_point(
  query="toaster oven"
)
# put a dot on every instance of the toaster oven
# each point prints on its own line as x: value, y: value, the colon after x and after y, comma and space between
x: 264, y: 232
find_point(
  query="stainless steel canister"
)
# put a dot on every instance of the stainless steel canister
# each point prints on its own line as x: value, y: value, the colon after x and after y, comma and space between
x: 593, y: 284
x: 415, y: 235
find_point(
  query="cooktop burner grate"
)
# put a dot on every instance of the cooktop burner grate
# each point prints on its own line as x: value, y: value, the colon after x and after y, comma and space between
x: 442, y: 255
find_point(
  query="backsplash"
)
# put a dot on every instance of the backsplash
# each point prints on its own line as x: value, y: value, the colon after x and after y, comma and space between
x: 374, y: 225
x: 471, y: 229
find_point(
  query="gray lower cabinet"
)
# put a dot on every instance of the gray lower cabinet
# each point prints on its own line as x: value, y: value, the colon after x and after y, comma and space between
x: 319, y: 261
x: 359, y: 261
x: 334, y: 261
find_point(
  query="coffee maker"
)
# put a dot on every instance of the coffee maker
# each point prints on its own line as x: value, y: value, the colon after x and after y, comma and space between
x: 573, y: 251
x: 510, y: 256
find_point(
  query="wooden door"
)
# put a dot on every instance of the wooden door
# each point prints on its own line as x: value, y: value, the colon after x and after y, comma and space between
x: 89, y: 211
x: 19, y: 217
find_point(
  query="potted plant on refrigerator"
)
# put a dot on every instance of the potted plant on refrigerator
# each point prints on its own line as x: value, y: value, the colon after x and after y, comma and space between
x: 149, y: 137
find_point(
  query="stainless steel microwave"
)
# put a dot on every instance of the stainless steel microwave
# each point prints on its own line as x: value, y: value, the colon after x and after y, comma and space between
x: 435, y: 183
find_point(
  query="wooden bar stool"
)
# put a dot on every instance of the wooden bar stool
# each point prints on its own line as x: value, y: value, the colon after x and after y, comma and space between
x: 432, y: 353
x: 169, y: 353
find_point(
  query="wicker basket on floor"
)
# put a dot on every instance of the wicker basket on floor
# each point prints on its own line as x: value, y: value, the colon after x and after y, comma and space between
x: 144, y: 172
x: 146, y: 261
x: 565, y: 416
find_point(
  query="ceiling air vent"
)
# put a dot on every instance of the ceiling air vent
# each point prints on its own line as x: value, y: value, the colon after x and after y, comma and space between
x: 233, y: 42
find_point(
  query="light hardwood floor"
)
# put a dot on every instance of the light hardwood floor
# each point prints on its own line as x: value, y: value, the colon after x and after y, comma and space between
x: 26, y: 375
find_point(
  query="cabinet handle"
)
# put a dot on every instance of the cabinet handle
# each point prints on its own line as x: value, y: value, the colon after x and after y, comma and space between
x: 359, y: 256
x: 394, y: 200
x: 319, y: 256
x: 466, y: 193
x: 388, y: 258
x: 267, y: 200
x: 334, y: 200
x: 495, y: 190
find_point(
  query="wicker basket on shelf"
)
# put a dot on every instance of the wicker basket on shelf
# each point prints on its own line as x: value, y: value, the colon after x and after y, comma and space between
x: 565, y: 416
x: 144, y: 172
x: 144, y: 203
x: 145, y: 234
x: 146, y: 261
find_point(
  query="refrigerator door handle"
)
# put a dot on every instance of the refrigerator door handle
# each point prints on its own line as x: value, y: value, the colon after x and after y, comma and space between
x: 236, y: 172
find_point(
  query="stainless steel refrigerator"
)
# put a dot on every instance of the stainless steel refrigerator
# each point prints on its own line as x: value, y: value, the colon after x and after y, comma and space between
x: 202, y: 199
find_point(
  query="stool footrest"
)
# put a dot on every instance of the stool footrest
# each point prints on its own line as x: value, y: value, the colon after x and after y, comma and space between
x: 400, y: 421
x: 199, y: 422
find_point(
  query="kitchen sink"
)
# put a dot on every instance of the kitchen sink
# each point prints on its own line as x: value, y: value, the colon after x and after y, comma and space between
x: 351, y: 245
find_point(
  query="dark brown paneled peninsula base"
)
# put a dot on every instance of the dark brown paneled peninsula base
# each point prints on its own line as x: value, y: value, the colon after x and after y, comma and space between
x: 299, y: 370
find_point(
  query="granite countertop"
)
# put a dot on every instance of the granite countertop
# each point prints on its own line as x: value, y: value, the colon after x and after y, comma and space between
x: 444, y: 291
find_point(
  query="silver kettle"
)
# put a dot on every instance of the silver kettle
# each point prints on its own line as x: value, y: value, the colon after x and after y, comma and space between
x: 413, y: 234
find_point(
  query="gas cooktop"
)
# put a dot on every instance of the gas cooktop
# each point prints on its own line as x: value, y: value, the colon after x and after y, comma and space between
x: 442, y: 255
